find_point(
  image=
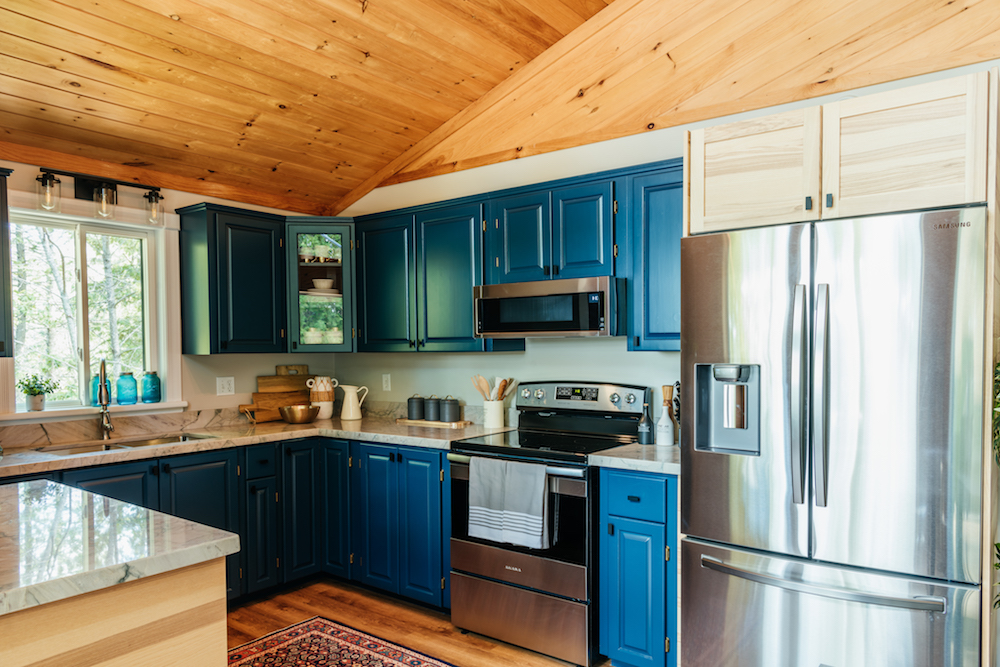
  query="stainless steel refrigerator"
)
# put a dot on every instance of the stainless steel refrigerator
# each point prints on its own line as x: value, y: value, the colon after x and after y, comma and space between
x: 831, y: 456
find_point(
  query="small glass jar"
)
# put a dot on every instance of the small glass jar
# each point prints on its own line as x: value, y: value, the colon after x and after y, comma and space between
x: 150, y: 387
x: 95, y: 385
x: 127, y: 389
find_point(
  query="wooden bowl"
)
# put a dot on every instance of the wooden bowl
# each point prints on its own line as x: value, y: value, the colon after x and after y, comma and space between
x: 299, y: 414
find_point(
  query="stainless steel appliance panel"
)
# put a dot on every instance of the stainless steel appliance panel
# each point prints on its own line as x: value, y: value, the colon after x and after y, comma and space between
x: 745, y: 301
x: 550, y: 625
x: 742, y: 609
x: 530, y: 571
x: 897, y: 453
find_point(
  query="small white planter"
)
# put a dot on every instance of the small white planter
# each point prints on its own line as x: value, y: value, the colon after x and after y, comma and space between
x: 35, y: 403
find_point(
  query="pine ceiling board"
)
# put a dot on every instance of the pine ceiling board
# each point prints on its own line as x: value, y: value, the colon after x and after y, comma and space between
x: 373, y: 74
x: 187, y: 134
x: 65, y: 160
x: 142, y: 53
x: 557, y: 14
x: 507, y: 22
x: 172, y: 160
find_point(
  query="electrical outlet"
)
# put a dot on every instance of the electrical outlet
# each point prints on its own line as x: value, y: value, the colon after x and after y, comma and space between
x: 225, y: 386
x: 386, y: 382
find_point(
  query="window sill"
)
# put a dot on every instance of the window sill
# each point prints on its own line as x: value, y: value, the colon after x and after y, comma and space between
x: 56, y: 414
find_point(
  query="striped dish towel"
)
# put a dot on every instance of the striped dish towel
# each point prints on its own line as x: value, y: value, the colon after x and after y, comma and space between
x: 507, y: 502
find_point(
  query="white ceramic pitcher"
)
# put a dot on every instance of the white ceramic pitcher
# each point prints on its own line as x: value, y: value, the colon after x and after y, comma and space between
x: 352, y: 404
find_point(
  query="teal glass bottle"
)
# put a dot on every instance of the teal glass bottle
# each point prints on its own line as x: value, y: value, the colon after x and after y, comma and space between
x: 127, y: 389
x: 150, y: 387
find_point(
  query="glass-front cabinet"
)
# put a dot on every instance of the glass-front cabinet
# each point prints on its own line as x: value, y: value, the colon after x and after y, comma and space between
x: 320, y: 286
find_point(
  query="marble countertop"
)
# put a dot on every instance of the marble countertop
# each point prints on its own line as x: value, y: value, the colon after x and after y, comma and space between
x: 647, y: 458
x: 25, y: 460
x: 57, y: 541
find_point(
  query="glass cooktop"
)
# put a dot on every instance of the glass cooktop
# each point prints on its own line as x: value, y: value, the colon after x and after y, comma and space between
x: 553, y: 445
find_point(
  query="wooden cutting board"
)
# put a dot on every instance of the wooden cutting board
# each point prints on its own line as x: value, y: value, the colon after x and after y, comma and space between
x: 282, y: 383
x: 265, y: 405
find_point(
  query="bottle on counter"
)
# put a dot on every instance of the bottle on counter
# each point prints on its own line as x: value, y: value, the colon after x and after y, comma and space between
x: 665, y: 424
x: 150, y: 387
x: 128, y: 390
x: 645, y: 426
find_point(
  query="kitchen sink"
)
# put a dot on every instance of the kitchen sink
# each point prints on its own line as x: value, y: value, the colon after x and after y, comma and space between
x: 129, y: 442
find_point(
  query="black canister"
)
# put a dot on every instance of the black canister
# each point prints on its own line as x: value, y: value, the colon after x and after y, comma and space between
x: 449, y: 409
x: 415, y: 407
x: 432, y: 409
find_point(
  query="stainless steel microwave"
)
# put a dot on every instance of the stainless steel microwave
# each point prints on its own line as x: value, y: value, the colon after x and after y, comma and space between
x: 551, y: 308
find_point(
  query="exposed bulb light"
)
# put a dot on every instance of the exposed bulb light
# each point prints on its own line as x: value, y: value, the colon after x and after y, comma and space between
x: 104, y: 201
x: 49, y: 190
x: 154, y: 210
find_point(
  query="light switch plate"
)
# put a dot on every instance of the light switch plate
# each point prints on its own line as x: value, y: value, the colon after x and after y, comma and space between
x: 225, y: 386
x: 386, y: 382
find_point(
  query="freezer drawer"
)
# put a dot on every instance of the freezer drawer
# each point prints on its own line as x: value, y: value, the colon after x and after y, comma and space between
x: 749, y: 610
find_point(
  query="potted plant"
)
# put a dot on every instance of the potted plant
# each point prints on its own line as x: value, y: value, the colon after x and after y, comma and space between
x: 34, y: 389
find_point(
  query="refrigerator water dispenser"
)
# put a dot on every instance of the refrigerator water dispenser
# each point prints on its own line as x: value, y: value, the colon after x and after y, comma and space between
x: 727, y: 408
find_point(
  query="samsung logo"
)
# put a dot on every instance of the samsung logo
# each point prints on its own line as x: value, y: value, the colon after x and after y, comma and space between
x: 511, y: 568
x: 951, y: 225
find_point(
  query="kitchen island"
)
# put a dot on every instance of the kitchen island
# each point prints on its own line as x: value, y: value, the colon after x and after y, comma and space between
x: 86, y: 579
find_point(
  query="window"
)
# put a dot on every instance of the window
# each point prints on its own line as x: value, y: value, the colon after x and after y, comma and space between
x: 80, y: 294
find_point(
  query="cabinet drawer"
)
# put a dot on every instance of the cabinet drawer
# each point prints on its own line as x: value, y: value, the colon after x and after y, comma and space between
x: 261, y: 461
x: 637, y: 496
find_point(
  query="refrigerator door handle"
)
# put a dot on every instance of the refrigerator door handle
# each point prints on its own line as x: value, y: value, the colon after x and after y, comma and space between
x: 821, y: 368
x: 922, y: 603
x: 796, y: 402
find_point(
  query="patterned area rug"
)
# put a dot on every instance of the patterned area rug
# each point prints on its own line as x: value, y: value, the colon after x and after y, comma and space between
x: 319, y: 642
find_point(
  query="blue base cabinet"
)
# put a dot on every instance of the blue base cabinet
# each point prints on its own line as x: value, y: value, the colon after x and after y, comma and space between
x: 300, y: 507
x: 335, y: 508
x: 638, y: 573
x: 134, y: 482
x: 261, y: 537
x: 396, y: 500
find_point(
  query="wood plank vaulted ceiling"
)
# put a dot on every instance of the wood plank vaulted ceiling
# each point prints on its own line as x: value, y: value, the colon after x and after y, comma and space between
x: 309, y: 105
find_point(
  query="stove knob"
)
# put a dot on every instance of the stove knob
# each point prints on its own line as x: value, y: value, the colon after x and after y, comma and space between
x: 539, y: 394
x: 525, y: 393
x: 615, y: 398
x: 630, y: 399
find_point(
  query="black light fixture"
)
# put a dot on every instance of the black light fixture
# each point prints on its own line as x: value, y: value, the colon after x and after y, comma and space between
x: 102, y: 191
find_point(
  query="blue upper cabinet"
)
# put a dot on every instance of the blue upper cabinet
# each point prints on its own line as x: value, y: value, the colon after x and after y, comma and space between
x: 521, y: 237
x: 320, y: 260
x: 449, y: 263
x: 583, y: 230
x: 655, y: 222
x: 387, y: 319
x: 233, y: 280
x: 6, y: 323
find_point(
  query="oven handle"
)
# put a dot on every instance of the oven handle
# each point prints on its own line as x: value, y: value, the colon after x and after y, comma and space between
x: 551, y: 471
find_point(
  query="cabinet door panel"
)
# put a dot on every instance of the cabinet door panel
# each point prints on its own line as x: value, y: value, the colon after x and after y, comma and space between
x: 133, y: 483
x: 300, y: 504
x: 251, y: 285
x: 634, y: 562
x: 762, y: 171
x: 918, y: 147
x: 420, y: 574
x: 336, y: 508
x: 656, y: 217
x: 521, y: 237
x: 583, y: 231
x: 262, y: 541
x: 377, y: 512
x: 320, y: 322
x: 386, y: 298
x: 449, y: 264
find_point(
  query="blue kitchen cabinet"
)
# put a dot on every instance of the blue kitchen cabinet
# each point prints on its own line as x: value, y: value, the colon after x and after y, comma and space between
x: 204, y: 488
x: 335, y: 509
x: 396, y: 497
x: 638, y: 576
x: 233, y: 280
x: 520, y: 237
x: 262, y: 535
x: 320, y: 319
x: 300, y: 506
x: 655, y: 211
x: 134, y: 482
x: 583, y: 230
x: 6, y: 302
x: 387, y: 318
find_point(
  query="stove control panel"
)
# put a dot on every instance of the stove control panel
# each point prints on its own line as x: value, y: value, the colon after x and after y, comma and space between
x: 589, y: 396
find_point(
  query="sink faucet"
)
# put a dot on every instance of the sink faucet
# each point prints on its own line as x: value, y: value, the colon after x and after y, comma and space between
x: 104, y: 398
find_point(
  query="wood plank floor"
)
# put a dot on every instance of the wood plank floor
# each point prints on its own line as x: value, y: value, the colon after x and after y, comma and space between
x: 414, y: 626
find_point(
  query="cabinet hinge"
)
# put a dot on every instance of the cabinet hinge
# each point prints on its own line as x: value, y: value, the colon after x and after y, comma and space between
x: 282, y: 333
x: 241, y: 573
x: 352, y: 559
x: 484, y: 225
x: 442, y: 475
x: 616, y: 206
x: 497, y: 222
x: 238, y: 473
x: 666, y: 645
x: 616, y: 250
x: 277, y: 563
x: 281, y: 242
x: 498, y: 262
x: 350, y: 461
x: 442, y: 583
x: 276, y: 500
x: 668, y: 554
x: 352, y: 336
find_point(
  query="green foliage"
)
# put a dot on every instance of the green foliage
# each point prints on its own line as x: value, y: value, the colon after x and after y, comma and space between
x: 33, y: 385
